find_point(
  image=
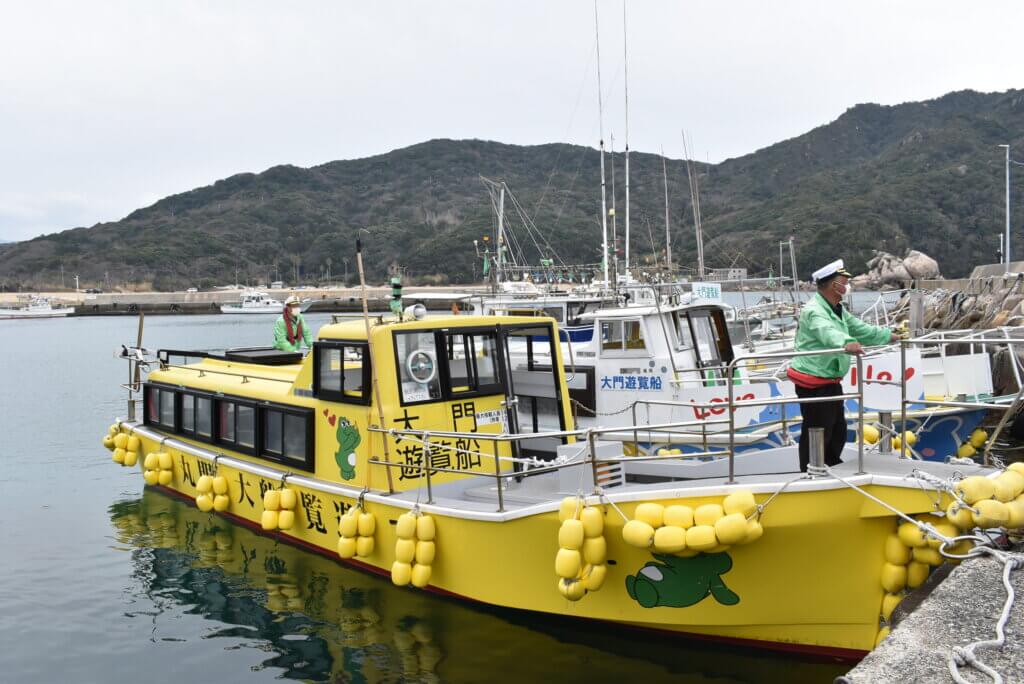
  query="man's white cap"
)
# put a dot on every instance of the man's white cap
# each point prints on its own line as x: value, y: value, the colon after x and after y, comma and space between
x: 825, y: 272
x: 292, y: 300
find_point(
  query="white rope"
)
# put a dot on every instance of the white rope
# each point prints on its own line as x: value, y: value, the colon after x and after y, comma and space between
x: 966, y: 655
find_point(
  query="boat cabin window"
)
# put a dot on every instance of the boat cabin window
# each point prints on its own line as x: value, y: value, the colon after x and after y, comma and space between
x: 236, y: 424
x: 196, y: 415
x: 472, y: 363
x: 342, y: 372
x: 416, y: 354
x: 622, y: 336
x: 711, y: 340
x: 468, y: 364
x: 555, y: 312
x: 284, y: 435
x: 160, y: 408
x: 275, y: 432
x: 681, y: 324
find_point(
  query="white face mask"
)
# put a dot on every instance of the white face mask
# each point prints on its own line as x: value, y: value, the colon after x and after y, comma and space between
x: 293, y: 310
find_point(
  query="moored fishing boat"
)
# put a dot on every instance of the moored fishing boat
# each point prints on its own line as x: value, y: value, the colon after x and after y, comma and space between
x: 411, y: 448
x: 253, y: 302
x: 37, y: 307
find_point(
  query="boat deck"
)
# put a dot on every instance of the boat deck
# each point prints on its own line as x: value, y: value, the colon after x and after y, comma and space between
x: 678, y: 478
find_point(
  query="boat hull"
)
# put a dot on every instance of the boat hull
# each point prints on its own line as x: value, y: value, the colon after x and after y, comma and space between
x: 811, y: 583
x: 6, y: 314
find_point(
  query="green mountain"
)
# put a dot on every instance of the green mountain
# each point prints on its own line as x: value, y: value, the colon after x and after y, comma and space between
x: 927, y: 175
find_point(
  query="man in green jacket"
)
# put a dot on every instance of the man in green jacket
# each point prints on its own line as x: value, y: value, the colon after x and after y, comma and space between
x: 825, y: 324
x: 290, y: 330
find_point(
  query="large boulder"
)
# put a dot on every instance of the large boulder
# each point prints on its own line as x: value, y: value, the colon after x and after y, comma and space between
x: 921, y: 266
x: 888, y: 270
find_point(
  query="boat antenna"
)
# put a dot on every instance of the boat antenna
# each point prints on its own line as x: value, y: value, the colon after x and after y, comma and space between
x: 615, y: 232
x: 695, y: 203
x: 668, y: 239
x: 625, y: 64
x: 600, y: 124
x: 373, y: 364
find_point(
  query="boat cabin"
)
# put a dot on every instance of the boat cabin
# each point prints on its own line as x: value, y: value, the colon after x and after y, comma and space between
x: 331, y: 413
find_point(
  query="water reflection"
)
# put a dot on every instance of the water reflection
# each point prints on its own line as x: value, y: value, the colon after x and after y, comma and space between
x: 321, y: 621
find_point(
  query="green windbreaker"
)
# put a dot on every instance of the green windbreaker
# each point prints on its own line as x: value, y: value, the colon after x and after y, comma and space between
x: 281, y: 334
x: 820, y: 328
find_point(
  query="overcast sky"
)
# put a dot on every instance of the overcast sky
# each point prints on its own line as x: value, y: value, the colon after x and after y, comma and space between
x: 109, y: 106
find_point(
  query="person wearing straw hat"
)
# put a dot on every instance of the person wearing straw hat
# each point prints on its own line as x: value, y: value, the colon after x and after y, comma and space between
x: 290, y: 329
x: 826, y: 324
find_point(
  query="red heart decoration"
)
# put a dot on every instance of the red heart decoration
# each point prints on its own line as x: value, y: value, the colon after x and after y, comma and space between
x: 325, y: 413
x: 332, y: 419
x: 909, y: 373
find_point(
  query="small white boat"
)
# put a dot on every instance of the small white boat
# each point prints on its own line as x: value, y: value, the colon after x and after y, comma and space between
x: 254, y: 303
x: 37, y: 307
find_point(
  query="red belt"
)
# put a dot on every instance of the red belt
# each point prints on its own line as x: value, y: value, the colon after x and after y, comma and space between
x: 810, y: 381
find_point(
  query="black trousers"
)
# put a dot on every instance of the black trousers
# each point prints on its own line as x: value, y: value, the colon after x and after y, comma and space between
x: 829, y: 415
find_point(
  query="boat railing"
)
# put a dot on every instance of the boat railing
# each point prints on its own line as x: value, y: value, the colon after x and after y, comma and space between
x: 590, y: 435
x: 983, y: 339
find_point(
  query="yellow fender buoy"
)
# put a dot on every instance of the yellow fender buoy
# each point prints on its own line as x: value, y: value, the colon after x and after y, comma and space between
x: 731, y: 529
x: 894, y: 577
x: 917, y: 573
x: 889, y: 603
x: 911, y: 535
x: 701, y: 538
x: 741, y: 502
x: 960, y: 516
x: 708, y: 514
x: 651, y: 513
x: 593, y: 522
x: 991, y: 513
x: 896, y: 552
x: 679, y: 516
x: 871, y: 434
x: 571, y: 535
x: 669, y: 539
x: 638, y: 533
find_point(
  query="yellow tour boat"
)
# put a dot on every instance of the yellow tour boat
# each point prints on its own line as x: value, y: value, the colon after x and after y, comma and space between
x: 412, y: 447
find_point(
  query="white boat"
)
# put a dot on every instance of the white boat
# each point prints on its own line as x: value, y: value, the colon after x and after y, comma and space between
x: 663, y: 363
x: 253, y: 302
x: 37, y: 307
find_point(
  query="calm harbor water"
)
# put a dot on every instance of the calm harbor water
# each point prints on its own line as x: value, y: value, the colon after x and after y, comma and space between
x: 102, y: 581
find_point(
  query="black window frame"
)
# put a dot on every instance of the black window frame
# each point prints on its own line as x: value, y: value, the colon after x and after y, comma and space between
x: 444, y: 368
x: 329, y: 394
x: 233, y: 444
x: 212, y: 416
x: 308, y: 464
x: 148, y: 389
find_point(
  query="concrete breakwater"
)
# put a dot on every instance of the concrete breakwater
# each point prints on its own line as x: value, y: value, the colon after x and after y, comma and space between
x: 338, y: 300
x: 958, y: 610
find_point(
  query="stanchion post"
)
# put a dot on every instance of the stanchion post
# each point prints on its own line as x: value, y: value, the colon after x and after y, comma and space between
x: 816, y: 448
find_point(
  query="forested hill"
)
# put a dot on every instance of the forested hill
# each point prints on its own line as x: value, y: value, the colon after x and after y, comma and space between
x: 928, y: 175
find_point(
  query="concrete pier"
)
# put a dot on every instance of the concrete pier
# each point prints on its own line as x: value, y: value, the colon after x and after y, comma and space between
x: 335, y: 300
x: 962, y: 609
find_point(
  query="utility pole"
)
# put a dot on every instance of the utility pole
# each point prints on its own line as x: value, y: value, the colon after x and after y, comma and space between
x: 1006, y: 239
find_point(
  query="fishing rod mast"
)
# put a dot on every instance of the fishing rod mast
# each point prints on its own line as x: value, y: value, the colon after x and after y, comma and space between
x: 600, y: 124
x: 615, y: 232
x: 625, y: 63
x: 668, y: 239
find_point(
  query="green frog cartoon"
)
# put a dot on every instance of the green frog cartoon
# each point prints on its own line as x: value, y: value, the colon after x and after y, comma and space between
x: 348, y: 439
x: 677, y: 582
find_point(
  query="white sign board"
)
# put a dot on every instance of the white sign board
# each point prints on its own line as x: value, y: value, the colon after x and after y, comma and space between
x: 713, y: 396
x: 967, y: 374
x: 885, y: 368
x: 706, y: 293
